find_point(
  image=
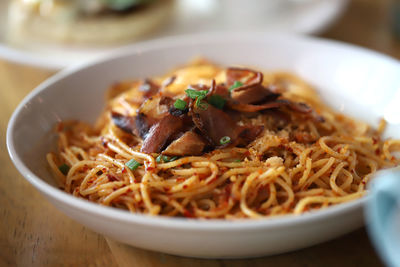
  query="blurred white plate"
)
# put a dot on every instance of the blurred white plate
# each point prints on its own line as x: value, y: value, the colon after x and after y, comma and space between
x: 307, y: 17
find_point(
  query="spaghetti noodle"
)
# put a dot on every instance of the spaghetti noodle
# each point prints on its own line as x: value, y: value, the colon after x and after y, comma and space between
x: 265, y: 153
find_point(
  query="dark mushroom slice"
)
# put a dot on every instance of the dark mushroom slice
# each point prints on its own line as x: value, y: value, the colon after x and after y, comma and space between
x: 219, y: 89
x: 190, y: 143
x: 125, y: 123
x: 249, y: 133
x: 218, y: 95
x: 300, y: 108
x: 214, y: 124
x: 251, y: 94
x: 255, y: 108
x: 305, y: 109
x: 161, y: 133
x: 149, y: 88
x: 153, y: 109
x: 247, y: 76
x: 252, y: 91
x: 151, y: 112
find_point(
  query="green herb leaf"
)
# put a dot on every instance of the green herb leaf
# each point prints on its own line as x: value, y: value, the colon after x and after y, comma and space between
x: 132, y: 164
x: 64, y: 169
x: 168, y: 159
x: 193, y: 94
x: 235, y: 85
x: 159, y: 158
x: 217, y: 101
x: 180, y: 104
x: 225, y: 140
x: 174, y: 158
x: 201, y: 104
x: 237, y: 160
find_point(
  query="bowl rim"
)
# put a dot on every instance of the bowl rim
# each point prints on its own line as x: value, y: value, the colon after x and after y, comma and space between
x: 175, y: 222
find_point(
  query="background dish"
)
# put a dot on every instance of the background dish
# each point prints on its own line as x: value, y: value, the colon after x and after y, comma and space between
x: 341, y: 72
x: 312, y: 17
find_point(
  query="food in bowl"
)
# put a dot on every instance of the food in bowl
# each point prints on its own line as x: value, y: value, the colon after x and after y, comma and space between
x: 89, y: 22
x: 204, y: 141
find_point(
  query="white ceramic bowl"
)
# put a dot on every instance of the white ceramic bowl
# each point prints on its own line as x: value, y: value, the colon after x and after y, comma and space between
x: 353, y: 80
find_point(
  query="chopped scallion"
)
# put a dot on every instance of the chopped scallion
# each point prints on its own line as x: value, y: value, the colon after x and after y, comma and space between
x: 217, y: 101
x: 174, y: 158
x: 180, y: 104
x: 201, y: 104
x: 235, y: 85
x: 159, y: 158
x: 64, y: 169
x: 225, y: 140
x: 199, y: 96
x: 132, y: 164
x: 193, y: 94
x: 237, y: 160
x: 169, y: 159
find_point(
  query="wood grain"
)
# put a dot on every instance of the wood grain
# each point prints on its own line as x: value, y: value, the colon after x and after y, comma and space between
x: 351, y: 250
x: 34, y: 233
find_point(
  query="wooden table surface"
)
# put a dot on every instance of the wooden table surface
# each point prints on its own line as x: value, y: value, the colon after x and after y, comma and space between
x: 34, y: 233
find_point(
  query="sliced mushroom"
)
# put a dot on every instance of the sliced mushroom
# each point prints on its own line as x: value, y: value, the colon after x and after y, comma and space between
x: 247, y: 76
x: 298, y: 107
x: 220, y: 90
x: 253, y: 94
x: 200, y: 126
x: 254, y: 108
x: 125, y: 123
x: 151, y: 112
x: 249, y: 133
x: 149, y: 88
x: 214, y: 124
x: 252, y: 90
x: 305, y: 109
x: 189, y: 143
x: 161, y: 133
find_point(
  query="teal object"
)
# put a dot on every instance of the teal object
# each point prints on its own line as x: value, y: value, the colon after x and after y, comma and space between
x: 383, y: 216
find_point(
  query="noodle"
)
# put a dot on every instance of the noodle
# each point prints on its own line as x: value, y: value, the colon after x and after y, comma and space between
x: 290, y: 168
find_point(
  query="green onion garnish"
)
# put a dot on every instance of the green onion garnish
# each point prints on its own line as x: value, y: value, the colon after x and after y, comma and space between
x: 64, y: 168
x: 168, y: 159
x: 159, y: 158
x: 193, y: 94
x: 180, y: 104
x: 235, y: 85
x: 200, y: 104
x: 173, y: 158
x: 132, y: 164
x: 199, y: 96
x: 225, y: 140
x: 237, y: 160
x: 217, y: 101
